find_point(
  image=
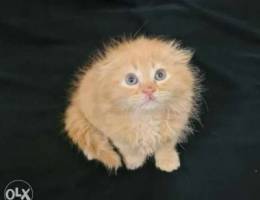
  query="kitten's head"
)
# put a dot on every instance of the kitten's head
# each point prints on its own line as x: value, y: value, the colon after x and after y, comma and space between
x: 145, y: 74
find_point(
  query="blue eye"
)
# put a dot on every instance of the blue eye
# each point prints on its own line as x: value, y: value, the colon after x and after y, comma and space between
x: 131, y: 79
x: 160, y: 74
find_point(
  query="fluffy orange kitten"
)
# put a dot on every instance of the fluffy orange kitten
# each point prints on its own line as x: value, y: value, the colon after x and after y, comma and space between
x: 138, y: 96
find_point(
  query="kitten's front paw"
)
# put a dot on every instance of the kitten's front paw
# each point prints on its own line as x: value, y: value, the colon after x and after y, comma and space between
x: 134, y: 162
x: 168, y: 162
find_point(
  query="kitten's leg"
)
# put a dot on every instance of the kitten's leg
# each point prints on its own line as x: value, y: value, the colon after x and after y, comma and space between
x: 167, y: 158
x: 93, y: 143
x: 133, y: 158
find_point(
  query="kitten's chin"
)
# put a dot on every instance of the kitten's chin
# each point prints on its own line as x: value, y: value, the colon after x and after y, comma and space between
x: 143, y: 105
x: 149, y: 106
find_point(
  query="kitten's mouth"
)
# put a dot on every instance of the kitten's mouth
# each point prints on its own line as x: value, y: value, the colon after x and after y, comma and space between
x: 149, y: 102
x: 145, y: 102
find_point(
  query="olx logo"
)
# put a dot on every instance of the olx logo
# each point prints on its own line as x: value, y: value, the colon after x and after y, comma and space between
x: 18, y: 190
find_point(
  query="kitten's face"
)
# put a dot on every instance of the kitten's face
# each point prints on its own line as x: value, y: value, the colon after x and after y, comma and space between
x: 147, y: 75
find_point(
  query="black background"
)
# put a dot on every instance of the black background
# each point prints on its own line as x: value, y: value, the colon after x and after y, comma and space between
x: 42, y: 44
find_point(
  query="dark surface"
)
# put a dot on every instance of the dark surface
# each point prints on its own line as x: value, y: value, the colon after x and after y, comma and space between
x: 42, y: 43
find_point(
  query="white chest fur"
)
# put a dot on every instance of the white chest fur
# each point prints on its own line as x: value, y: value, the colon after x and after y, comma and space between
x: 147, y: 132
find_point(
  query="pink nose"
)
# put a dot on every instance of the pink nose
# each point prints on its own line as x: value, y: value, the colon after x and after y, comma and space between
x: 148, y: 90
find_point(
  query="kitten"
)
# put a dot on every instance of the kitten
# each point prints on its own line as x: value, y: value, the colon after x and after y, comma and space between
x: 138, y: 96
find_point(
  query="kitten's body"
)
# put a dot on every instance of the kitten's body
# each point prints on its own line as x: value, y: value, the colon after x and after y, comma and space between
x: 103, y: 108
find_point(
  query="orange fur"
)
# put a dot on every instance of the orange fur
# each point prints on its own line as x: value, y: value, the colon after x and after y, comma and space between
x: 103, y: 108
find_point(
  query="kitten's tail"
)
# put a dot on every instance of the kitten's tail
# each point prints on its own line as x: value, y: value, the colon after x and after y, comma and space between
x: 92, y: 142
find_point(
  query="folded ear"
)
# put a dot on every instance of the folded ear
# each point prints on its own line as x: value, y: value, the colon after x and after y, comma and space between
x: 181, y: 55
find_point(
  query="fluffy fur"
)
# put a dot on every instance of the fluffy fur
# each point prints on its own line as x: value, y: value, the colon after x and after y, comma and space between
x: 104, y: 112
